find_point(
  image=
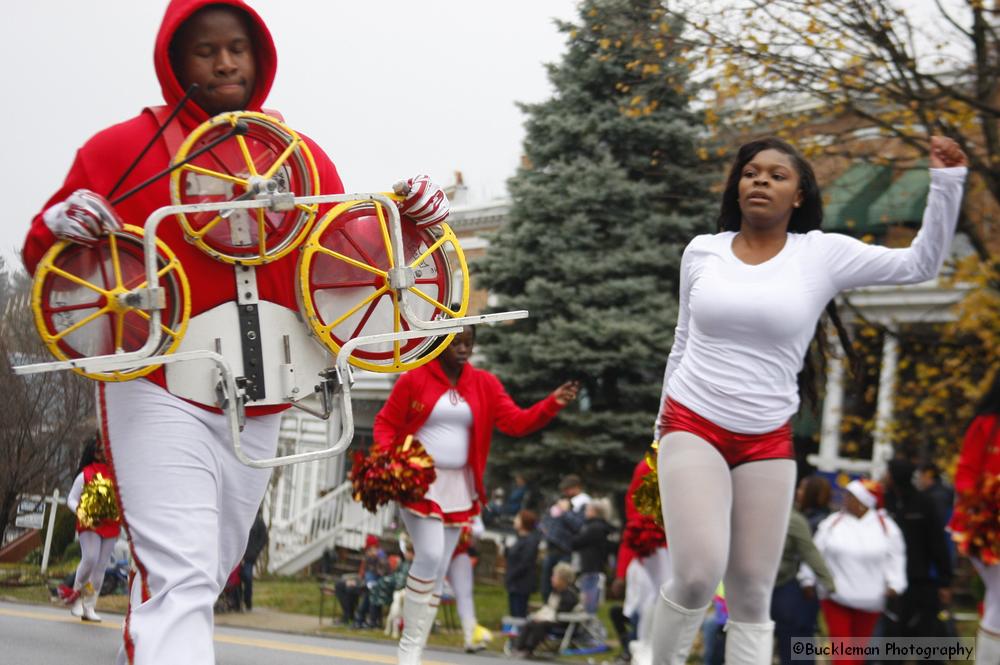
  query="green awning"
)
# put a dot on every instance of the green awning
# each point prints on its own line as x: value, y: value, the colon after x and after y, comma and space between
x: 904, y: 200
x: 847, y: 199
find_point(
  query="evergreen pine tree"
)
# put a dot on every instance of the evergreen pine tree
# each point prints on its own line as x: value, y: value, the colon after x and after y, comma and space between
x: 611, y: 191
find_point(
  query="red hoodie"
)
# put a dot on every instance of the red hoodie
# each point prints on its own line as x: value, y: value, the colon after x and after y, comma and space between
x: 413, y: 398
x: 106, y: 156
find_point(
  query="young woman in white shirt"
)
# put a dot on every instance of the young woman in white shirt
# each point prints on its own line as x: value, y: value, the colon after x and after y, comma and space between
x: 750, y: 300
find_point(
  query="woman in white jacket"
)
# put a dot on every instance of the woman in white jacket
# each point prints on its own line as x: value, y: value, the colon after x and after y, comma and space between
x: 866, y: 554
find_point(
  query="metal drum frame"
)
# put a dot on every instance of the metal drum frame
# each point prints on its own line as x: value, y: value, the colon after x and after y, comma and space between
x: 336, y: 390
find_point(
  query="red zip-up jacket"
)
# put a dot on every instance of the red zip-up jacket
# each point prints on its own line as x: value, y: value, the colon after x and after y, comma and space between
x: 106, y: 156
x: 416, y: 392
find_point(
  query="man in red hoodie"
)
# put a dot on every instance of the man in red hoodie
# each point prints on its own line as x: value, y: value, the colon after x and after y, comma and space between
x: 187, y: 501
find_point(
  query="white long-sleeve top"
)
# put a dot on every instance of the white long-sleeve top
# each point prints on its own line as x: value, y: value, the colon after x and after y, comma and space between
x: 865, y: 555
x: 75, y: 492
x: 743, y: 330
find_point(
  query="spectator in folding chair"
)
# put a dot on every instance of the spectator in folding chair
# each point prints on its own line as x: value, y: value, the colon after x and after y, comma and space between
x: 542, y: 623
x: 381, y: 593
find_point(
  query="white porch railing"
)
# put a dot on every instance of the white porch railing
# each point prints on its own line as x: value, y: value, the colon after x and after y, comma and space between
x: 334, y: 519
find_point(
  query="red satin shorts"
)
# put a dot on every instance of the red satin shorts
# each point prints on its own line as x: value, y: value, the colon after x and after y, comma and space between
x: 734, y: 447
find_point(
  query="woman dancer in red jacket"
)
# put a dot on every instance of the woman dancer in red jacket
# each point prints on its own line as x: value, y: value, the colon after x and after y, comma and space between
x: 451, y: 408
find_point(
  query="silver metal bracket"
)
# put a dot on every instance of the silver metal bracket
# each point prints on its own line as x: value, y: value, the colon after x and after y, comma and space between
x: 147, y: 299
x: 402, y: 277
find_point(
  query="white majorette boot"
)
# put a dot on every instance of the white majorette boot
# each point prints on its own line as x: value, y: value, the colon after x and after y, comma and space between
x: 76, y: 609
x: 749, y: 643
x: 674, y: 628
x: 427, y: 624
x: 987, y: 647
x: 475, y: 636
x: 416, y: 600
x: 89, y: 603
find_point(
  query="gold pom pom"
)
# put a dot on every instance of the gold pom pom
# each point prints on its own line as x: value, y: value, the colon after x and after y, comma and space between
x: 98, y: 502
x: 647, y: 495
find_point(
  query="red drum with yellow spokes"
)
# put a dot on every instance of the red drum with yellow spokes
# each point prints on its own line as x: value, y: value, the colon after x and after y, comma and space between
x: 235, y: 156
x: 344, y: 289
x: 79, y: 305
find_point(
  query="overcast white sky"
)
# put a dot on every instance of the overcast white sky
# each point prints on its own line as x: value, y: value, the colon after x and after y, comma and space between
x: 72, y: 68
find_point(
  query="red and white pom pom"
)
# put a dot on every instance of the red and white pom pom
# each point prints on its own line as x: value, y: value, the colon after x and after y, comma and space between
x: 426, y: 204
x: 402, y: 474
x: 643, y: 535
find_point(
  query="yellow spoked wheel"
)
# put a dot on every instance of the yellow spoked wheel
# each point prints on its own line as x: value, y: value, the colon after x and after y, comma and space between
x: 344, y: 291
x: 230, y: 157
x: 77, y: 311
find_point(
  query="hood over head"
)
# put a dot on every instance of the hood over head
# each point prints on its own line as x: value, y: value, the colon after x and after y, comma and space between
x: 265, y: 55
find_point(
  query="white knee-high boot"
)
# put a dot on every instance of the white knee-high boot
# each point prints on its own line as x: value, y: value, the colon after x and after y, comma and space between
x: 987, y: 648
x: 673, y: 631
x: 89, y: 605
x: 416, y: 616
x: 428, y: 624
x: 749, y: 643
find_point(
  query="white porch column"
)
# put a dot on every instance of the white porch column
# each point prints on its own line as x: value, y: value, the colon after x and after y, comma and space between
x: 882, y: 450
x: 828, y: 458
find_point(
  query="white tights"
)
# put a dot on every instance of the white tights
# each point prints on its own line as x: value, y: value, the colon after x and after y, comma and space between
x: 991, y: 603
x: 460, y: 577
x: 95, y: 552
x: 723, y: 524
x: 433, y: 544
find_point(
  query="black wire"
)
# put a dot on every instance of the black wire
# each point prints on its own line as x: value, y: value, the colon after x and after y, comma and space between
x: 239, y: 129
x: 159, y: 132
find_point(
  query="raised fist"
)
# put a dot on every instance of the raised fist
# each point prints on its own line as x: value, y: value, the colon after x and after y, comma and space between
x: 945, y: 153
x: 426, y: 203
x: 82, y: 218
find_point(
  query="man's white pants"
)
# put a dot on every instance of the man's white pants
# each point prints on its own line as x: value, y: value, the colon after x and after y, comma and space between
x: 188, y: 505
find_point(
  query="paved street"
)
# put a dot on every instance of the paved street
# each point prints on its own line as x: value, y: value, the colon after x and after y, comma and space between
x: 38, y: 635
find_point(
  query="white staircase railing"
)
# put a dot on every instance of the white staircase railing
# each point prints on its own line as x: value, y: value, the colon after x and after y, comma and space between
x: 333, y: 519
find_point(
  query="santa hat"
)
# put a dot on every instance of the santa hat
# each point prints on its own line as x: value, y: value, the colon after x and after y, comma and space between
x: 868, y: 492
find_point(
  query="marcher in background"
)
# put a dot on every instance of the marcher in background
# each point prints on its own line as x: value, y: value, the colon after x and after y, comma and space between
x: 864, y: 551
x: 751, y: 297
x: 642, y: 567
x: 564, y: 598
x: 256, y: 543
x: 560, y: 523
x: 521, y: 576
x: 794, y: 605
x: 928, y: 565
x: 592, y: 544
x: 451, y: 408
x: 97, y: 533
x: 977, y: 486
